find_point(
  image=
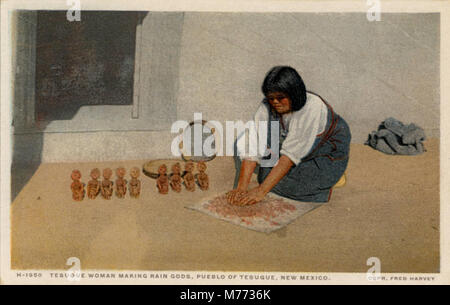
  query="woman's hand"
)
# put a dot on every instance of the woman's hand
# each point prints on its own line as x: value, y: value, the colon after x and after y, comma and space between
x: 276, y: 174
x: 247, y: 169
x: 233, y: 196
x: 253, y: 196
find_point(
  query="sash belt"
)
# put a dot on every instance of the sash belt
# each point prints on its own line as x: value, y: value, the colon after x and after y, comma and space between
x: 329, y: 136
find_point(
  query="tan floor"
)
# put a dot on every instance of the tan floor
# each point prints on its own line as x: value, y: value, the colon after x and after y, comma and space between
x: 388, y: 209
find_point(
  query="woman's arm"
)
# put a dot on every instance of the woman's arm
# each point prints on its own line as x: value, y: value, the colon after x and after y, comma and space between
x: 247, y: 169
x: 276, y: 174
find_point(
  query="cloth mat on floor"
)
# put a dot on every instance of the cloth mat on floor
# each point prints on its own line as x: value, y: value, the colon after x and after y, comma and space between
x: 271, y: 214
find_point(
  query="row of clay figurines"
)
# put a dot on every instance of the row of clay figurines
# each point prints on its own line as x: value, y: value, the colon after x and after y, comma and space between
x: 105, y: 187
x: 187, y: 178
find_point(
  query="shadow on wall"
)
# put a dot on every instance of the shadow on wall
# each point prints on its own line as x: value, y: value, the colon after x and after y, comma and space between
x: 27, y: 151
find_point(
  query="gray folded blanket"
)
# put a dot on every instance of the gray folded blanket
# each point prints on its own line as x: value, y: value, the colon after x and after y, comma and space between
x: 393, y: 137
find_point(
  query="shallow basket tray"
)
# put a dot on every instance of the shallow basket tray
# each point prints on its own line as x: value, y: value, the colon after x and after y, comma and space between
x: 150, y: 168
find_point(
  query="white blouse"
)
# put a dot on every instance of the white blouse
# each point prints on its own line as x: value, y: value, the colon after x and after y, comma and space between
x: 302, y: 128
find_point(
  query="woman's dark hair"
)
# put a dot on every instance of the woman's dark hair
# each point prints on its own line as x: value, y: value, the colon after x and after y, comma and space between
x: 286, y: 80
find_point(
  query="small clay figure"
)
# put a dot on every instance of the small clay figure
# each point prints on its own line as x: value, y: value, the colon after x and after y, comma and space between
x: 93, y: 187
x: 189, y: 180
x: 107, y: 184
x: 163, y: 181
x: 175, y: 179
x: 121, y: 183
x: 202, y: 177
x: 77, y: 186
x: 135, y: 183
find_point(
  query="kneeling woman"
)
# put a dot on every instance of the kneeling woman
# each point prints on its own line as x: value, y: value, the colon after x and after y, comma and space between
x: 314, y: 144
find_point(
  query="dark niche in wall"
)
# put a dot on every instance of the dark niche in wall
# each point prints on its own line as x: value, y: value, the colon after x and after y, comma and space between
x: 87, y: 62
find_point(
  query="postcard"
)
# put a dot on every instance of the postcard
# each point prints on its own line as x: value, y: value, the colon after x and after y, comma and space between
x: 224, y: 142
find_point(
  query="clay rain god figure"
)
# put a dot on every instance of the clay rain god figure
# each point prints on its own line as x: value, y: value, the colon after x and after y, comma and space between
x: 77, y: 186
x: 202, y: 177
x: 135, y: 183
x: 107, y: 184
x: 189, y: 181
x: 93, y: 187
x: 121, y: 184
x: 163, y: 181
x: 175, y: 179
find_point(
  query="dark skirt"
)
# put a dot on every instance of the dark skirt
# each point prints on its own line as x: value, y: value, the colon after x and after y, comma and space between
x: 313, y: 178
